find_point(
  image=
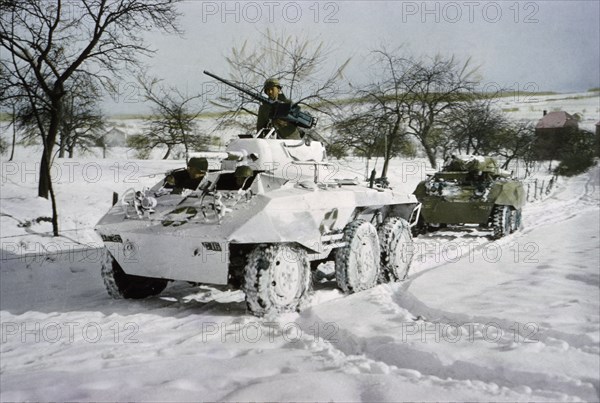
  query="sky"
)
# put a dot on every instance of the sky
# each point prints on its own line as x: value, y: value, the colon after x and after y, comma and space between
x: 518, y: 45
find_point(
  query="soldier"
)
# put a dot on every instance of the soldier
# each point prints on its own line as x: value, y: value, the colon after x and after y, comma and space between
x: 188, y: 178
x: 266, y: 112
x: 242, y: 174
x: 454, y: 164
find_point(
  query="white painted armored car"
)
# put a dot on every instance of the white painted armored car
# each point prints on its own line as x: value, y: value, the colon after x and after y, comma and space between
x: 265, y: 231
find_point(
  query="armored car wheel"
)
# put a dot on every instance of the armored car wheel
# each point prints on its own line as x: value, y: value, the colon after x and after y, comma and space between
x: 357, y: 263
x: 277, y: 279
x: 122, y: 285
x: 501, y: 221
x: 396, y: 249
x: 515, y: 220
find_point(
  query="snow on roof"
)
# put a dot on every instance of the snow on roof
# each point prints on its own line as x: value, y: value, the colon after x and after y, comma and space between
x: 555, y: 120
x: 115, y: 129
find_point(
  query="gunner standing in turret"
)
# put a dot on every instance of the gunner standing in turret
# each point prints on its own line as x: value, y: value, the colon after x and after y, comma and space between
x: 266, y: 112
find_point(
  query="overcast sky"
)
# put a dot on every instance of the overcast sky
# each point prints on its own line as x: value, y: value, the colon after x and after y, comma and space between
x: 522, y: 45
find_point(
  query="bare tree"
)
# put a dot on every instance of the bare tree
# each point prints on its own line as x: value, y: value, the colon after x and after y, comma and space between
x: 9, y: 99
x: 363, y: 130
x: 387, y: 100
x: 173, y: 119
x: 475, y: 127
x: 300, y: 63
x: 13, y: 125
x: 516, y: 141
x: 49, y: 43
x: 81, y: 123
x: 358, y: 133
x: 437, y: 86
x: 411, y: 96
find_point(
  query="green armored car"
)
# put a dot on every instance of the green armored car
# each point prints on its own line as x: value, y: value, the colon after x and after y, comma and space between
x: 471, y: 190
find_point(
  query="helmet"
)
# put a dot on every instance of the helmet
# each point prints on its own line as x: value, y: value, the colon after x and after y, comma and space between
x: 271, y: 82
x: 243, y: 171
x: 200, y: 164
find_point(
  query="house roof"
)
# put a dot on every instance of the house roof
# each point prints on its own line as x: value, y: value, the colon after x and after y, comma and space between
x: 115, y: 130
x: 555, y: 120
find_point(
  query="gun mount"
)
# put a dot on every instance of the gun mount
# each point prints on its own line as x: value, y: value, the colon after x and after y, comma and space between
x: 282, y: 110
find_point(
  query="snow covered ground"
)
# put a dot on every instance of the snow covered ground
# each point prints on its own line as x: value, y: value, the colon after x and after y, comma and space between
x: 510, y: 320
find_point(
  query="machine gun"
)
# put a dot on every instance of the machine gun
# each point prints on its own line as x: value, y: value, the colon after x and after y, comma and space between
x: 282, y: 110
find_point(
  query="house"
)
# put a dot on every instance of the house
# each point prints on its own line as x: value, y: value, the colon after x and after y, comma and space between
x: 115, y: 137
x: 551, y: 132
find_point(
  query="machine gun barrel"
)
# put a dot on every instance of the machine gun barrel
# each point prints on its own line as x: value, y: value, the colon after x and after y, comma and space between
x: 253, y: 94
x: 285, y: 111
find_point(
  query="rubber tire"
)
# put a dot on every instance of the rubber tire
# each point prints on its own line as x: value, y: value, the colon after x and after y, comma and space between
x: 263, y: 278
x: 361, y: 251
x: 515, y: 220
x: 121, y: 285
x: 396, y: 249
x: 501, y: 221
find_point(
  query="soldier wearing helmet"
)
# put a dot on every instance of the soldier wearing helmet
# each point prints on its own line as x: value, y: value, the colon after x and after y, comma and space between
x: 242, y: 175
x: 266, y: 112
x: 188, y: 178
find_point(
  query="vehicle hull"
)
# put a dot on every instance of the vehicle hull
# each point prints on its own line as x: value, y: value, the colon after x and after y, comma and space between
x: 184, y: 240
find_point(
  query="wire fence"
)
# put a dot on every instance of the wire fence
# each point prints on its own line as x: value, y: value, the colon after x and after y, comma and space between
x: 539, y: 189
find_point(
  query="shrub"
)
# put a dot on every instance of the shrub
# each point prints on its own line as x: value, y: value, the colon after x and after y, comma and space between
x: 577, y: 154
x: 574, y: 165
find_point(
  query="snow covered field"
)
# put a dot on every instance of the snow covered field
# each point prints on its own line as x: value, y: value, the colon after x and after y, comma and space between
x: 510, y: 320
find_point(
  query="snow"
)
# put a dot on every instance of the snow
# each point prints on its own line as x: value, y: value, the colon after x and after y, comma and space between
x: 517, y: 319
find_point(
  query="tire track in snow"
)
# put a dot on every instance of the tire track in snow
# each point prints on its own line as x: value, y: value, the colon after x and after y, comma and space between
x: 571, y: 199
x: 394, y: 351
